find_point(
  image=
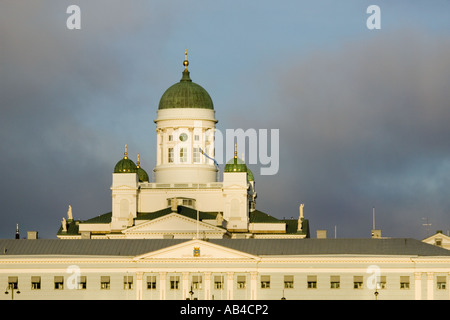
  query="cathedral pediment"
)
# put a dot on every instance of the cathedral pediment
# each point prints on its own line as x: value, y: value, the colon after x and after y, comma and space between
x: 197, y: 249
x: 174, y: 223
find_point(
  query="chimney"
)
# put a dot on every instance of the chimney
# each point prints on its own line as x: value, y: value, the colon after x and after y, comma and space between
x: 321, y: 234
x: 32, y: 235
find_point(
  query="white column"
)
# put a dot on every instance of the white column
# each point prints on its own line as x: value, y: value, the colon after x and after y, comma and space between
x: 230, y: 285
x: 139, y: 285
x: 185, y: 286
x: 418, y: 285
x: 162, y: 285
x: 207, y: 285
x: 430, y: 286
x: 253, y: 285
x: 447, y: 283
x: 158, y: 146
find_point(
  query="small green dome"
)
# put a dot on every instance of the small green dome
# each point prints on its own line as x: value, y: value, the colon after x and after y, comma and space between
x: 125, y: 166
x: 142, y: 174
x: 235, y: 165
x: 186, y: 94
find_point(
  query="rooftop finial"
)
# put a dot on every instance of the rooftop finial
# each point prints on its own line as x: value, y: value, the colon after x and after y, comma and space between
x: 138, y: 162
x: 185, y: 62
x: 235, y: 150
x: 126, y: 152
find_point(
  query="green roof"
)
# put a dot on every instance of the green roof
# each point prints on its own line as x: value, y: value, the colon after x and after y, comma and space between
x: 185, y: 211
x: 260, y: 247
x: 261, y: 217
x: 292, y: 224
x: 186, y: 94
x: 104, y: 218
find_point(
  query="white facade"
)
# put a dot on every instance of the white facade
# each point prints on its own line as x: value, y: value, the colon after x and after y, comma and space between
x: 204, y: 270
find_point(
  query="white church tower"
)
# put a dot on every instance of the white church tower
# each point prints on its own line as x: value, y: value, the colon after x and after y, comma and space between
x: 185, y: 125
x: 124, y: 193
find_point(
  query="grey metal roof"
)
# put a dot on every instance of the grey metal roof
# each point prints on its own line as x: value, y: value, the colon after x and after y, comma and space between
x: 260, y: 247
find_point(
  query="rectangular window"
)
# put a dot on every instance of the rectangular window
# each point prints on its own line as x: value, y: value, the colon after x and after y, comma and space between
x: 335, y: 282
x: 13, y: 282
x: 128, y: 282
x: 105, y: 282
x: 151, y: 282
x: 35, y: 283
x: 82, y: 284
x: 59, y: 282
x: 196, y: 155
x: 441, y: 282
x: 241, y: 282
x: 174, y: 282
x: 404, y: 282
x: 183, y: 155
x: 218, y: 282
x: 289, y: 282
x: 170, y: 137
x: 357, y: 282
x: 312, y: 282
x: 381, y: 282
x: 265, y: 282
x: 196, y: 282
x: 170, y: 153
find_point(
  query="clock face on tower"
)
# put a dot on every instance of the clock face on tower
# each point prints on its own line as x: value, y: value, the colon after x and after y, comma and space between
x: 183, y: 137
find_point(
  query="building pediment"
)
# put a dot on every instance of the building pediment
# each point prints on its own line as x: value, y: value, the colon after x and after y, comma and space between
x: 197, y: 249
x: 174, y: 223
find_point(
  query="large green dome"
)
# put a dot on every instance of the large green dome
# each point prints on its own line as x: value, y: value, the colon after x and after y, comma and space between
x: 186, y: 94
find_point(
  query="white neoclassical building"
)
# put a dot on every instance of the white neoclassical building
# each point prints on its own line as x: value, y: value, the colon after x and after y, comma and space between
x: 189, y: 235
x: 186, y: 198
x: 224, y: 269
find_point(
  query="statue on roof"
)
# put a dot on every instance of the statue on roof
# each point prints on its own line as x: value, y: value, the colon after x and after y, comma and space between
x: 69, y: 213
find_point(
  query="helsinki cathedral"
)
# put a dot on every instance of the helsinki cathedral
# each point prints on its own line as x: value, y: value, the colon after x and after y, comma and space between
x: 186, y: 200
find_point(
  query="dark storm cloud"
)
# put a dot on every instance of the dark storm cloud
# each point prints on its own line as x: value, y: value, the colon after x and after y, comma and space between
x: 67, y: 98
x: 365, y: 126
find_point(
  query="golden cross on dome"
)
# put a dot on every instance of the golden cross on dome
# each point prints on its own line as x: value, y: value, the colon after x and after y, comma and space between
x: 185, y: 62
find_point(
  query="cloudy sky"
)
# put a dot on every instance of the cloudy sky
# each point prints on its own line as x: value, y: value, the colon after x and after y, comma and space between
x: 363, y: 115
